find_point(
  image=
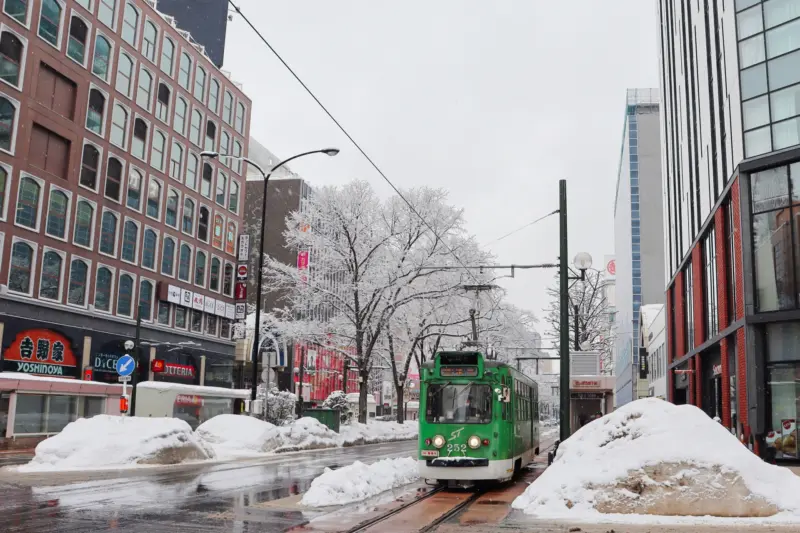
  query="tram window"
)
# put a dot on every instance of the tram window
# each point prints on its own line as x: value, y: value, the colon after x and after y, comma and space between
x: 460, y: 404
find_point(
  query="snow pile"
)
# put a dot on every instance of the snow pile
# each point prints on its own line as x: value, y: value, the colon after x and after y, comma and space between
x: 376, y: 431
x: 654, y: 458
x: 305, y: 434
x: 238, y: 435
x: 358, y: 482
x: 105, y: 441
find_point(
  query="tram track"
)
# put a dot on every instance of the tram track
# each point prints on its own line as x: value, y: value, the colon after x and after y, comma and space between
x: 397, y: 510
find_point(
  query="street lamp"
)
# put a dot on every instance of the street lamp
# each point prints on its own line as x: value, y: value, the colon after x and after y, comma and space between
x: 213, y: 155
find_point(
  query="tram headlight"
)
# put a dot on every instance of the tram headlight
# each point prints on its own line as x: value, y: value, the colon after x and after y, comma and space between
x: 438, y: 441
x: 474, y: 442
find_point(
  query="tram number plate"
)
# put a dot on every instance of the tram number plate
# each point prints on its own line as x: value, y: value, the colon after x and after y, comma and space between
x: 430, y: 453
x: 456, y: 447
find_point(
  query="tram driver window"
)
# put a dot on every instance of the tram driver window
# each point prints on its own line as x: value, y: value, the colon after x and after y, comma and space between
x: 459, y: 404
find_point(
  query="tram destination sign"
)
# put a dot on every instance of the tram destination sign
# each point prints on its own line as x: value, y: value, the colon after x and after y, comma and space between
x: 456, y: 371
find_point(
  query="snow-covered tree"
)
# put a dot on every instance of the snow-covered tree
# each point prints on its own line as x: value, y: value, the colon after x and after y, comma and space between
x: 368, y: 259
x: 337, y: 400
x: 594, y: 324
x: 279, y: 406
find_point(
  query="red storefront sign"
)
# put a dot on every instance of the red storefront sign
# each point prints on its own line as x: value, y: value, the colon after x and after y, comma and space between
x: 179, y: 371
x: 41, y: 351
x: 189, y: 399
x: 241, y: 291
x: 302, y: 260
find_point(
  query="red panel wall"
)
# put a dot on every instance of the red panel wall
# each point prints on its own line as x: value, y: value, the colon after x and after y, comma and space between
x: 741, y: 367
x: 670, y: 342
x: 722, y: 308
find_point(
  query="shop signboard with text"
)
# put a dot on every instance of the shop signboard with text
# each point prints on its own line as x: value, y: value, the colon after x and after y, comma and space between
x: 41, y: 351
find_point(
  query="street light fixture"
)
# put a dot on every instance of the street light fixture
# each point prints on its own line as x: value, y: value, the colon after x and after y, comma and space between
x: 214, y: 155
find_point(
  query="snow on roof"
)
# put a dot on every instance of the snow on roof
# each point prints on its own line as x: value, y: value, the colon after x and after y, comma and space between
x: 650, y: 312
x: 20, y: 376
x: 352, y: 397
x: 195, y: 389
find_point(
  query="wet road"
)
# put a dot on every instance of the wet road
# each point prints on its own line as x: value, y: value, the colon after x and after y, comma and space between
x: 231, y: 497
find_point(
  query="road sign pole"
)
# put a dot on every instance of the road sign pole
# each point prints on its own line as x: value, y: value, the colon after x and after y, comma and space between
x: 136, y: 357
x: 564, y: 415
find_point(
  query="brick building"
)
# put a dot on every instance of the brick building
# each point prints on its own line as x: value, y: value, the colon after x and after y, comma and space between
x: 731, y: 119
x: 105, y: 202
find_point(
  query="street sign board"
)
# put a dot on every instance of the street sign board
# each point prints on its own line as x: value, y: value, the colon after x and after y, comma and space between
x: 124, y: 379
x: 241, y: 272
x: 125, y: 365
x: 241, y: 310
x: 244, y: 247
x: 241, y: 291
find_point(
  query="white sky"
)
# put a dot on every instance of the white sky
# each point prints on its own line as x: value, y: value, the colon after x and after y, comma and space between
x: 494, y: 100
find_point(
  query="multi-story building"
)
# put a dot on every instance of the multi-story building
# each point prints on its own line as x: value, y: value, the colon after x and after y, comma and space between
x: 107, y: 209
x: 731, y: 117
x: 653, y: 351
x: 638, y: 231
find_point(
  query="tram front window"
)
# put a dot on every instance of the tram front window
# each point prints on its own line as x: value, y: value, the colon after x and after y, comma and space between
x: 459, y: 404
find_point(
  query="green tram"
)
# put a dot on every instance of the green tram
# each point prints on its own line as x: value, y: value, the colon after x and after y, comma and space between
x: 479, y: 419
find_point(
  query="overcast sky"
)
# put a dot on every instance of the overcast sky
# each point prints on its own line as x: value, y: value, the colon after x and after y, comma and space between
x: 494, y: 100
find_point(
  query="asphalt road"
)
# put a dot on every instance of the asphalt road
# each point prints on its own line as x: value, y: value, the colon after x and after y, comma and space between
x: 231, y: 497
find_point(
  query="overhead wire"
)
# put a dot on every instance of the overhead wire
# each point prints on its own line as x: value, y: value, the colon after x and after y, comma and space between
x: 366, y: 156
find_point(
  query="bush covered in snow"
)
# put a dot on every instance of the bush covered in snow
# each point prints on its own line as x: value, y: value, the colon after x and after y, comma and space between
x: 337, y: 400
x: 279, y: 406
x: 117, y: 441
x: 359, y: 481
x: 653, y: 457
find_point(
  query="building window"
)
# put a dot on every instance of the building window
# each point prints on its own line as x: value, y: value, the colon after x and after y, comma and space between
x: 171, y: 216
x: 157, y: 153
x: 102, y: 289
x: 167, y: 56
x: 233, y: 197
x: 205, y: 185
x: 783, y: 367
x: 162, y: 103
x: 185, y: 71
x: 154, y: 199
x: 163, y: 313
x: 84, y: 220
x: 102, y: 57
x: 76, y: 45
x: 185, y: 263
x: 134, y: 200
x: 113, y: 187
x: 149, y: 245
x: 130, y: 22
x: 11, y: 54
x: 200, y: 83
x: 125, y: 295
x: 176, y: 161
x: 49, y: 152
x: 225, y: 146
x: 57, y: 214
x: 3, y: 191
x: 124, y: 74
x: 89, y: 164
x: 197, y: 321
x: 227, y: 108
x: 237, y: 152
x: 145, y: 93
x: 139, y: 138
x: 50, y: 21
x: 149, y: 41
x: 240, y: 118
x: 213, y: 96
x: 28, y: 197
x: 78, y: 279
x: 119, y: 125
x: 710, y: 257
x: 211, y: 325
x: 179, y: 122
x: 180, y: 317
x: 200, y: 269
x: 202, y: 224
x: 168, y: 257
x: 213, y: 282
x: 191, y: 171
x: 94, y: 115
x: 211, y: 136
x: 222, y: 183
x: 188, y: 216
x: 8, y: 114
x: 146, y: 299
x: 21, y: 268
x: 106, y: 12
x: 50, y: 283
x: 194, y: 127
x: 227, y: 280
x: 130, y: 240
x: 17, y: 9
x: 108, y: 233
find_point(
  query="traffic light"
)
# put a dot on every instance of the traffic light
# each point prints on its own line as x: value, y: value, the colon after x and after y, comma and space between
x: 123, y: 404
x: 157, y: 366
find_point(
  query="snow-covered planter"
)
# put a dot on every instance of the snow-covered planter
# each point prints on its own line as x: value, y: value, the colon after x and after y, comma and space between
x: 106, y: 441
x: 359, y: 481
x: 651, y: 457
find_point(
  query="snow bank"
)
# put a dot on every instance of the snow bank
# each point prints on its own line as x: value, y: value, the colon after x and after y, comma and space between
x: 238, y: 435
x: 653, y: 458
x: 306, y: 434
x: 105, y: 441
x: 359, y: 481
x: 375, y: 432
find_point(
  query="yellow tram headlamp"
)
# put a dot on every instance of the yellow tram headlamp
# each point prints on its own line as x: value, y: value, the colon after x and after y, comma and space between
x: 438, y: 441
x: 474, y: 442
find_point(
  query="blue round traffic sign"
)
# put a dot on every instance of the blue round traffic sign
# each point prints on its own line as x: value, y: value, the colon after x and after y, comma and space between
x: 125, y: 365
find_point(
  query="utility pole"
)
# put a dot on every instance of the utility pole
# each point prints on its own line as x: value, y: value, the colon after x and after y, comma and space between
x: 564, y: 309
x: 300, y: 383
x: 577, y: 329
x: 137, y: 356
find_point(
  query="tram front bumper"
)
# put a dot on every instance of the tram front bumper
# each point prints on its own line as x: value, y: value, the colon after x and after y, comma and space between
x: 466, y: 469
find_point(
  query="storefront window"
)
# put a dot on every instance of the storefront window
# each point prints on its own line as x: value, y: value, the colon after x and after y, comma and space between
x: 93, y: 406
x: 195, y: 410
x: 61, y: 411
x: 5, y: 399
x: 39, y: 414
x: 783, y: 384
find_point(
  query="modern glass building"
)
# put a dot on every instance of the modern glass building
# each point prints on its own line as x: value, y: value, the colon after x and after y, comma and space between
x: 638, y: 230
